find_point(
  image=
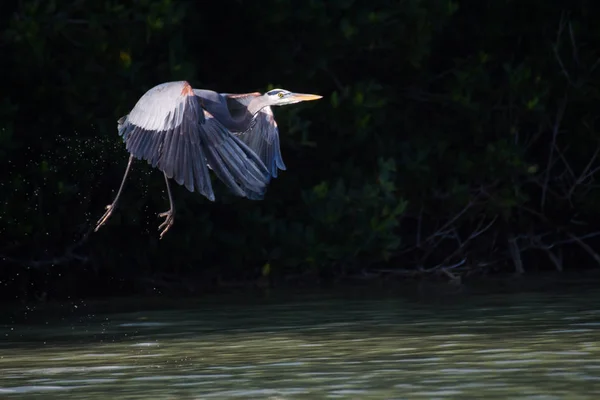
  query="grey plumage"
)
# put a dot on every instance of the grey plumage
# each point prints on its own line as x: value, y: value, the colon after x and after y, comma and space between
x: 263, y: 135
x: 184, y: 131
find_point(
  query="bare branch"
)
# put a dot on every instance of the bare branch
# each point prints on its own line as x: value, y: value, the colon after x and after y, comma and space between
x: 573, y: 43
x: 532, y: 240
x: 453, y: 220
x: 446, y: 268
x: 537, y: 181
x: 478, y: 231
x: 564, y: 160
x: 555, y: 131
x: 586, y: 173
x: 555, y: 48
x: 585, y: 246
x: 454, y: 279
x: 419, y: 226
x: 574, y: 238
x: 515, y: 253
x: 555, y: 260
x: 535, y: 136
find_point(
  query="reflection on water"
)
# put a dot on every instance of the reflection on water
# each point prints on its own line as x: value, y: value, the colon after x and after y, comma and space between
x: 535, y: 346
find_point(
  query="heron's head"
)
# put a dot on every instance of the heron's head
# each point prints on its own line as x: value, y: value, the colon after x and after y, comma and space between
x: 281, y: 97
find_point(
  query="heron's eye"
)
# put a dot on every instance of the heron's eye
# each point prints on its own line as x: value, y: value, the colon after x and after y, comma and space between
x: 280, y: 94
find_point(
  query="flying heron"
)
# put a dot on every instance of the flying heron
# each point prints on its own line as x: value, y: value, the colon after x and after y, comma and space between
x: 184, y: 131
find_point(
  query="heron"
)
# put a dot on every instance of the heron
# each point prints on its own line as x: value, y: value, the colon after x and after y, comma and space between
x: 184, y: 132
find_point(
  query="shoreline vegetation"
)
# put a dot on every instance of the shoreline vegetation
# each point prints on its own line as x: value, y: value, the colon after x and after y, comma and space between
x: 455, y: 150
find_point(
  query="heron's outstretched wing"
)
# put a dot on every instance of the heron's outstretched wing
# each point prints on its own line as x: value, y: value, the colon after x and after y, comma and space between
x: 263, y: 136
x: 168, y: 128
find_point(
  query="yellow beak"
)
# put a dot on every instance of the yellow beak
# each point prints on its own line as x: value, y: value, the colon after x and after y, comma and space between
x: 306, y: 97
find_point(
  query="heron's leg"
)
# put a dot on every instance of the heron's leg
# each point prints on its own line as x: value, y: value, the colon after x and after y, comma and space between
x: 111, y: 207
x: 168, y: 215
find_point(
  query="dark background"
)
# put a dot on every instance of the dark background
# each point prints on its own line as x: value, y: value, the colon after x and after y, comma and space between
x: 455, y: 139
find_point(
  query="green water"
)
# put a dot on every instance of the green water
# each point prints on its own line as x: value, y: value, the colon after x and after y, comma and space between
x: 538, y: 346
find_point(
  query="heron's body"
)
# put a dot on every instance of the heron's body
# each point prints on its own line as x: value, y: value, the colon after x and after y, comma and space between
x: 184, y: 131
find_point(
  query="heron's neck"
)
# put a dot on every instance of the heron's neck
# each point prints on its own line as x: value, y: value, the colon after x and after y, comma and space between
x: 256, y: 104
x: 243, y: 120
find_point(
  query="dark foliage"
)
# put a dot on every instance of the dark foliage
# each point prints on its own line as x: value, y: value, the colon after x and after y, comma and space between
x: 454, y: 138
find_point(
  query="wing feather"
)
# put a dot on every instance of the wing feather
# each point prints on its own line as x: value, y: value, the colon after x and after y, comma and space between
x: 263, y: 136
x: 169, y: 129
x: 233, y: 162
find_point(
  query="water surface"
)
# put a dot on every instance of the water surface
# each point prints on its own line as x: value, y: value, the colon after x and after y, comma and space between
x: 537, y: 346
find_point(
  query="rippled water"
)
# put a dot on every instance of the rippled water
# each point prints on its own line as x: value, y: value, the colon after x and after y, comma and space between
x: 527, y: 346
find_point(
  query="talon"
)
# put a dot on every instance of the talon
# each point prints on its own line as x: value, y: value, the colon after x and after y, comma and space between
x: 167, y: 223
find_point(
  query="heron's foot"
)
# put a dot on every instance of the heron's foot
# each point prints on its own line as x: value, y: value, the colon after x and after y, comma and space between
x: 169, y: 217
x: 105, y: 217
